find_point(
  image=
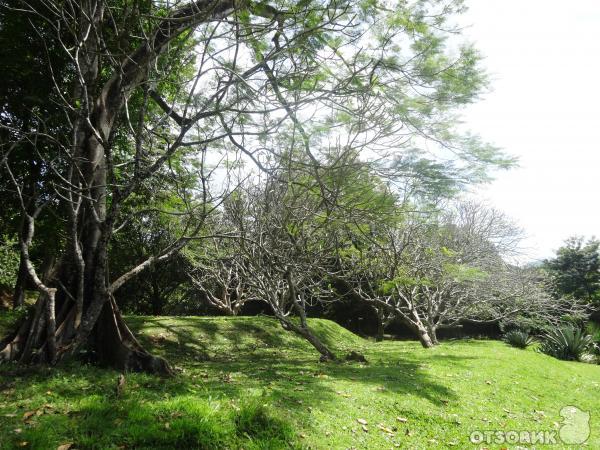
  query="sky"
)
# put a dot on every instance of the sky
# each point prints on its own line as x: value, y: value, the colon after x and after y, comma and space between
x: 543, y: 57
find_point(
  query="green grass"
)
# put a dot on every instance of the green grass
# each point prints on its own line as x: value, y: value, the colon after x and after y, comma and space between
x: 246, y: 383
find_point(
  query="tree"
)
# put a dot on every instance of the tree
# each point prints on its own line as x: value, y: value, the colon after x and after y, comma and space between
x: 575, y: 271
x: 148, y: 83
x: 280, y: 251
x: 444, y: 270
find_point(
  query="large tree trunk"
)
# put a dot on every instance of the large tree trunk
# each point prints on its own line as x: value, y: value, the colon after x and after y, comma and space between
x: 18, y: 298
x: 75, y: 310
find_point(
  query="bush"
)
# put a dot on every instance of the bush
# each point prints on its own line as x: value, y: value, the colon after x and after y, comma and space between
x: 567, y: 342
x: 519, y: 339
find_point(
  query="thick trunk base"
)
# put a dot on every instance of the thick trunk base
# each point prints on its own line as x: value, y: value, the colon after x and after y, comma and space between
x: 111, y: 342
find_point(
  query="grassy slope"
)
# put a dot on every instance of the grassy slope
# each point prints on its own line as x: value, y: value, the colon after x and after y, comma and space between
x: 248, y: 384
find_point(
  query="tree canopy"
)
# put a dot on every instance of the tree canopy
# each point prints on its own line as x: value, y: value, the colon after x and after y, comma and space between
x: 149, y: 116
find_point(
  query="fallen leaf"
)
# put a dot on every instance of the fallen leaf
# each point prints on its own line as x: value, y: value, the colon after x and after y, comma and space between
x: 18, y: 430
x: 23, y: 444
x: 28, y: 414
x: 402, y: 419
x: 362, y: 421
x: 364, y: 428
x: 385, y: 429
x: 168, y: 426
x: 66, y: 446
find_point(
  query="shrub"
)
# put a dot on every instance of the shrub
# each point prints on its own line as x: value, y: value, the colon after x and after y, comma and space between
x: 567, y: 342
x: 519, y: 339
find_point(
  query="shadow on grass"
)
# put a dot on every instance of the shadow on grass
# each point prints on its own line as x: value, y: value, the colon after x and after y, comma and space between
x: 277, y: 367
x: 231, y: 400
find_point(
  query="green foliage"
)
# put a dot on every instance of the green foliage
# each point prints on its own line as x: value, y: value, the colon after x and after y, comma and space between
x: 575, y: 270
x: 519, y: 339
x: 9, y: 261
x: 566, y: 342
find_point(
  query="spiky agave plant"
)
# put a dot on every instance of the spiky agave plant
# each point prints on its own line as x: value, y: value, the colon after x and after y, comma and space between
x: 519, y: 339
x: 566, y: 342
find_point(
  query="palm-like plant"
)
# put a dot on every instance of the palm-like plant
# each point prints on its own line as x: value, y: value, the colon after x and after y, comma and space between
x: 566, y: 342
x: 519, y: 339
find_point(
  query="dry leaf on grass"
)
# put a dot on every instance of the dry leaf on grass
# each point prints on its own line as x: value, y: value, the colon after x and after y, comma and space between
x: 385, y: 429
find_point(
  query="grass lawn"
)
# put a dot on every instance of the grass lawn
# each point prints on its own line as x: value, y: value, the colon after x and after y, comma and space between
x: 246, y: 383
